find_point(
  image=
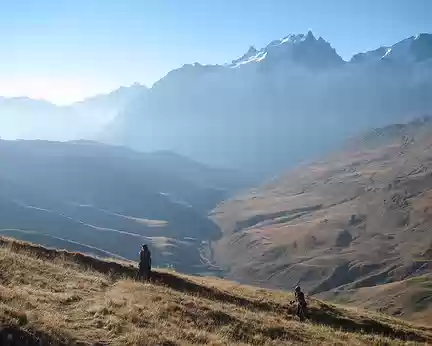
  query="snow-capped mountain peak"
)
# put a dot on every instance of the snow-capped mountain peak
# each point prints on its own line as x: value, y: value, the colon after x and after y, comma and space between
x: 296, y: 39
x: 409, y: 50
x: 297, y: 48
x: 250, y: 54
x: 401, y: 51
x: 292, y: 39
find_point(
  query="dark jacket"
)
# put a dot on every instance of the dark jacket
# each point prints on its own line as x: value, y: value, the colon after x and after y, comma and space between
x: 145, y: 258
x: 300, y: 298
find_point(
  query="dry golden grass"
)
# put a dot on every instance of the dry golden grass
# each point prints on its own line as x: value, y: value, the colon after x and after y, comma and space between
x: 406, y: 299
x: 298, y: 229
x: 66, y: 302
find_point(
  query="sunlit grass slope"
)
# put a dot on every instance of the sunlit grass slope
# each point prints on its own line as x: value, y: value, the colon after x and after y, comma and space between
x: 64, y: 298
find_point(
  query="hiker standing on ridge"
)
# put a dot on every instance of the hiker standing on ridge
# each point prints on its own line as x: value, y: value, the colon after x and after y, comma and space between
x: 144, y: 268
x: 301, y: 303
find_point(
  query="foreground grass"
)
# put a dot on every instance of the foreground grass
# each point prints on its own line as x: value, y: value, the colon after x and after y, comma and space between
x: 63, y: 302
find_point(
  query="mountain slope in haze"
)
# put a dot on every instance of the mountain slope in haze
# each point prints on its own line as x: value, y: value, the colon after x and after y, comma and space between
x: 25, y: 118
x: 63, y: 298
x: 103, y: 199
x: 294, y: 99
x: 412, y: 49
x: 338, y: 226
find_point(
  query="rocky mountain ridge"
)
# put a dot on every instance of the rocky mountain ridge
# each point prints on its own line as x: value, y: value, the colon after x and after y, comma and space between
x: 294, y: 99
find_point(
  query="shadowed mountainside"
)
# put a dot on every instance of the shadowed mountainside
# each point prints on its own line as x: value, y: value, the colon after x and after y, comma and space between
x: 294, y: 99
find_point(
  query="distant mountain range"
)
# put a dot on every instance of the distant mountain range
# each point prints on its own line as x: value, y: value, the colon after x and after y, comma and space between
x: 292, y: 100
x: 25, y: 118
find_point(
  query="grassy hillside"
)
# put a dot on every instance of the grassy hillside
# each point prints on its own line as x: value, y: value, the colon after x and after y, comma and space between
x: 410, y: 298
x: 351, y: 221
x: 67, y: 298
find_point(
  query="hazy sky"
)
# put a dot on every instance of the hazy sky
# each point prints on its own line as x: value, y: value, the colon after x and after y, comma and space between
x: 64, y: 50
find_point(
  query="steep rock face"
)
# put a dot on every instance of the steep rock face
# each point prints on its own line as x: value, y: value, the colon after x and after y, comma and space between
x: 358, y: 218
x: 273, y: 107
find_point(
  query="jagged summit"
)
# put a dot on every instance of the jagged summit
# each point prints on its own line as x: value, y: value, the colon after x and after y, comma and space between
x: 303, y: 49
x: 308, y: 50
x: 310, y: 36
x: 251, y: 52
x: 297, y: 84
x: 294, y: 39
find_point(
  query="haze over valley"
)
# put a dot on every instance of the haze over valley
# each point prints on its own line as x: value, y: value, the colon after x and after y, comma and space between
x: 304, y: 160
x: 263, y: 112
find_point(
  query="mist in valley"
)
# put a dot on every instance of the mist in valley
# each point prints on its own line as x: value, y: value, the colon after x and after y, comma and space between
x: 246, y: 163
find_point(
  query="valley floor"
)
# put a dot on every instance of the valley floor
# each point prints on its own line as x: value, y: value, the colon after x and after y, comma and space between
x: 65, y: 298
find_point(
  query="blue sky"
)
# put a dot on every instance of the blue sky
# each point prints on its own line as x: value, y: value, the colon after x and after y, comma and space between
x: 66, y: 50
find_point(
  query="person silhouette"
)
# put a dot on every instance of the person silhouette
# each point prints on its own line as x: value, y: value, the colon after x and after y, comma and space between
x: 144, y: 267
